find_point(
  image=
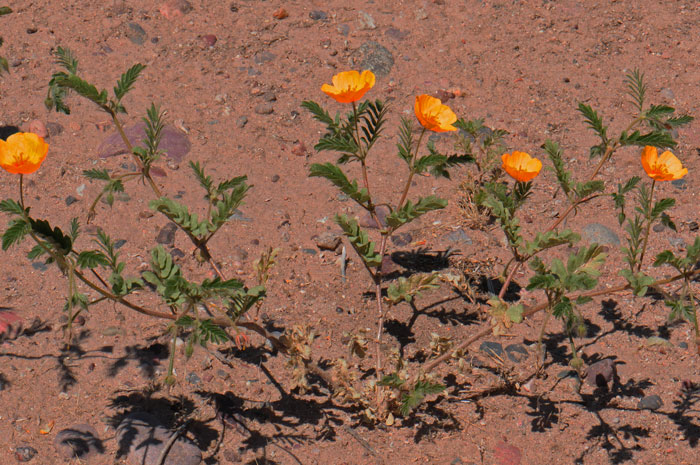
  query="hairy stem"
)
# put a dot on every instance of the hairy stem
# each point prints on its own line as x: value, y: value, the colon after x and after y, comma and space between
x: 648, y: 229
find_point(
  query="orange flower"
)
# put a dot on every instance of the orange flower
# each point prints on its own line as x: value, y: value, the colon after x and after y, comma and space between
x: 662, y: 168
x: 521, y: 166
x: 433, y: 115
x: 22, y: 153
x: 349, y: 86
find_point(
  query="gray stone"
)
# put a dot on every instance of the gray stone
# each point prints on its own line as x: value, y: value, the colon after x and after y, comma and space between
x: 263, y: 57
x: 78, y: 441
x: 401, y: 239
x: 459, y: 236
x: 328, y: 241
x: 676, y: 242
x: 680, y: 184
x: 397, y: 33
x: 374, y: 57
x: 24, y: 453
x: 142, y: 437
x: 193, y: 378
x: 601, y: 373
x: 683, y: 345
x: 241, y: 122
x: 166, y: 236
x: 70, y: 200
x: 40, y: 266
x: 667, y: 93
x: 173, y: 142
x: 119, y: 243
x: 318, y: 15
x: 365, y: 21
x: 516, y: 352
x: 239, y: 254
x: 309, y: 251
x: 652, y: 402
x: 600, y: 234
x: 344, y: 29
x: 563, y: 374
x: 492, y: 348
x: 264, y: 109
x: 135, y: 33
x: 368, y: 222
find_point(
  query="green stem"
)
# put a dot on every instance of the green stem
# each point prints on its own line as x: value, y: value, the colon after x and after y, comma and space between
x: 21, y: 191
x: 649, y: 221
x: 411, y: 172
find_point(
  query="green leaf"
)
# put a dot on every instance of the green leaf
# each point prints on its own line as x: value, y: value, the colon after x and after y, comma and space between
x: 593, y: 120
x: 515, y: 313
x: 180, y: 215
x: 10, y: 206
x: 409, y: 211
x: 36, y: 252
x: 405, y: 144
x: 405, y: 289
x: 97, y: 174
x: 586, y: 189
x: 636, y: 88
x: 659, y: 139
x: 211, y: 332
x: 393, y: 380
x: 318, y: 112
x: 542, y: 281
x: 668, y: 222
x: 665, y: 257
x: 693, y: 251
x: 15, y: 232
x: 92, y: 259
x: 83, y: 88
x: 417, y: 394
x: 336, y: 176
x: 549, y: 239
x: 679, y: 121
x: 555, y: 155
x: 372, y: 116
x: 66, y: 59
x: 127, y: 80
x: 639, y: 282
x: 53, y: 236
x: 360, y: 241
x: 661, y: 206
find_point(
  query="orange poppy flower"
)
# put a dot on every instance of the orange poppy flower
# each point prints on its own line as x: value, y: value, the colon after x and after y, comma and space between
x: 22, y: 153
x: 349, y: 86
x: 433, y: 115
x: 662, y: 168
x: 521, y: 166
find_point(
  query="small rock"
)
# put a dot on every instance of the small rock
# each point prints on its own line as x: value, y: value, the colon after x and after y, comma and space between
x: 78, y: 441
x: 143, y: 214
x: 667, y: 93
x: 74, y: 126
x: 37, y: 127
x: 459, y: 236
x: 600, y: 234
x: 173, y: 9
x: 683, y: 345
x: 264, y: 109
x: 223, y: 374
x: 374, y: 57
x: 166, y: 236
x: 318, y: 15
x: 401, y: 239
x: 652, y: 402
x: 239, y: 216
x: 193, y: 378
x: 680, y: 184
x: 492, y: 348
x: 239, y: 255
x: 209, y: 40
x: 269, y: 96
x: 177, y: 253
x: 365, y: 21
x: 54, y: 129
x: 693, y: 226
x: 280, y: 14
x: 421, y: 14
x: 263, y: 57
x: 676, y: 242
x: 70, y: 200
x: 397, y: 33
x: 567, y: 374
x: 299, y: 149
x: 80, y: 189
x: 24, y: 453
x: 119, y: 243
x: 516, y: 352
x: 344, y: 29
x: 241, y: 122
x: 135, y: 33
x: 309, y: 251
x: 112, y: 331
x: 142, y: 438
x: 328, y: 241
x: 658, y: 227
x: 601, y: 373
x: 275, y: 178
x: 368, y: 222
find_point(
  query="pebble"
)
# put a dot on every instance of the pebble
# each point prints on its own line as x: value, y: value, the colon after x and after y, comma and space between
x: 328, y: 241
x: 173, y: 142
x: 693, y: 226
x: 601, y: 373
x: 344, y: 29
x: 239, y: 216
x: 263, y: 57
x: 54, y: 129
x: 135, y: 33
x: 368, y: 222
x: 299, y: 149
x: 166, y: 235
x: 374, y: 57
x: 506, y: 454
x: 401, y: 239
x: 676, y: 242
x: 119, y: 243
x: 264, y: 109
x: 516, y: 352
x: 238, y: 254
x: 309, y: 251
x: 492, y: 348
x: 24, y: 453
x: 318, y: 15
x: 70, y: 200
x: 459, y: 236
x: 275, y: 178
x: 600, y: 234
x: 241, y: 122
x: 141, y: 429
x: 37, y: 127
x: 173, y: 9
x: 280, y: 14
x: 365, y: 21
x: 667, y: 93
x: 112, y: 331
x: 208, y: 40
x: 193, y: 378
x: 397, y: 33
x: 680, y: 184
x: 567, y: 374
x: 78, y: 442
x: 683, y: 345
x: 652, y: 402
x: 658, y: 227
